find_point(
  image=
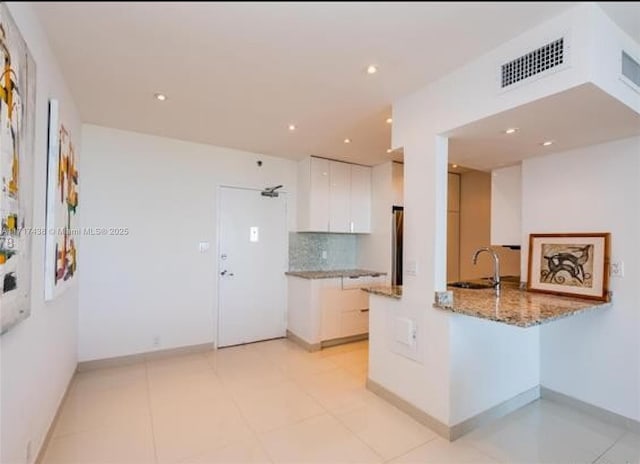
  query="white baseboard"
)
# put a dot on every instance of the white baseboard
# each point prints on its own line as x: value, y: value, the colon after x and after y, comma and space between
x: 456, y: 431
x: 311, y: 347
x: 119, y: 361
x: 599, y: 413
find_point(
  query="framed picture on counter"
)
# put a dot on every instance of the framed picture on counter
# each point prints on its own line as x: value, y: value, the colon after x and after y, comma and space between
x: 570, y: 264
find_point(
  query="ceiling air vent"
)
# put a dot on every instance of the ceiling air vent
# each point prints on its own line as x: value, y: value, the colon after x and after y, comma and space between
x: 630, y: 69
x: 538, y: 61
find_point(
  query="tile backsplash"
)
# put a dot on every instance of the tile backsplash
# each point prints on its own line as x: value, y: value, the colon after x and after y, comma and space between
x: 305, y: 251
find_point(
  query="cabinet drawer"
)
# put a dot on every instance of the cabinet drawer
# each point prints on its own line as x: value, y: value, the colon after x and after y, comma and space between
x: 354, y: 322
x: 359, y: 282
x: 354, y: 299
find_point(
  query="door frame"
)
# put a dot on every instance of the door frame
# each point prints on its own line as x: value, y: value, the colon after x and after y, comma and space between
x: 219, y: 189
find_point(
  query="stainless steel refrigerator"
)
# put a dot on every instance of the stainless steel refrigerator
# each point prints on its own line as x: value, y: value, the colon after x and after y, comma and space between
x: 396, y: 256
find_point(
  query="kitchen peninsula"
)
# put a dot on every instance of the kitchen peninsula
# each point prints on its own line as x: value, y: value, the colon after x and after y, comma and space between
x: 515, y: 306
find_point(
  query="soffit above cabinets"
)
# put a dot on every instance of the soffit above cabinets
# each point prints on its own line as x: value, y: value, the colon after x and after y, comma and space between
x: 581, y: 116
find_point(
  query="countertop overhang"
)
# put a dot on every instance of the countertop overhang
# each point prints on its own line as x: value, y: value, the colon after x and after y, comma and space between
x: 390, y: 291
x: 348, y: 273
x: 517, y: 307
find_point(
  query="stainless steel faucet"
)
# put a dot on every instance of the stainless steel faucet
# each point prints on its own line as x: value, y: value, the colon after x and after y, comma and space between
x: 496, y: 265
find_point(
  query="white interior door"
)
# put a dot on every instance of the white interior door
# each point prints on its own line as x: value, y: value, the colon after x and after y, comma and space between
x: 252, y: 261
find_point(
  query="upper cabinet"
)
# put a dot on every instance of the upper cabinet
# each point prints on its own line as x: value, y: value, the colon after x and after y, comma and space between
x: 397, y: 182
x: 339, y: 197
x: 317, y: 207
x: 506, y: 198
x: 333, y: 196
x: 453, y: 194
x: 360, y: 199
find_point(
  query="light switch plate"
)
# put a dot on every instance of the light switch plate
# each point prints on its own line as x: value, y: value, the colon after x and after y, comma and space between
x: 254, y: 234
x: 616, y: 269
x: 411, y: 267
x: 203, y: 246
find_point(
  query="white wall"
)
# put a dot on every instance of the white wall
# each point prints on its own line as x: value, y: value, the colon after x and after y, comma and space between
x: 420, y: 121
x: 38, y: 356
x: 491, y: 363
x: 154, y: 282
x: 594, y: 357
x: 375, y: 249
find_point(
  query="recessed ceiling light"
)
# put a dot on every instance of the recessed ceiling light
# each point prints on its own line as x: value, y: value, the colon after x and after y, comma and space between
x: 347, y: 140
x: 389, y: 150
x: 372, y: 69
x: 454, y: 166
x: 389, y: 120
x: 160, y: 96
x: 292, y: 127
x: 547, y: 143
x: 511, y: 130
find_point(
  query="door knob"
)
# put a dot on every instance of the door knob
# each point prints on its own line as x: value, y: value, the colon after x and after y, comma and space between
x: 225, y: 272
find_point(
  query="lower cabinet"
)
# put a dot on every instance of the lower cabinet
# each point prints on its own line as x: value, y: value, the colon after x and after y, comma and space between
x: 345, y: 312
x: 328, y: 309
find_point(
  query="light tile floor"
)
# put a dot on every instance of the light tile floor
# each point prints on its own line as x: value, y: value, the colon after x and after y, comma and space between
x: 273, y: 402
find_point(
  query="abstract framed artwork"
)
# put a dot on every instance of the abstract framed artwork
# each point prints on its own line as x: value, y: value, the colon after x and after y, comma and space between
x: 17, y: 126
x: 61, y: 254
x: 570, y: 264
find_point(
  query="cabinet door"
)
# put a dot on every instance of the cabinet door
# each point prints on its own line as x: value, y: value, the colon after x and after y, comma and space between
x: 339, y: 196
x: 332, y: 305
x: 354, y: 323
x: 453, y: 246
x: 319, y: 195
x: 506, y: 199
x: 453, y: 197
x: 360, y: 200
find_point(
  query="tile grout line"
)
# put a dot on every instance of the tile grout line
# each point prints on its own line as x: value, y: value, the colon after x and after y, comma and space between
x: 153, y: 431
x: 241, y: 414
x: 337, y: 419
x: 325, y: 411
x: 411, y: 449
x: 482, y: 452
x: 615, y: 442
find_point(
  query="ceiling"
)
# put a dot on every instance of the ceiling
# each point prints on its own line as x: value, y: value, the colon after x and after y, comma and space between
x: 581, y: 116
x: 237, y: 74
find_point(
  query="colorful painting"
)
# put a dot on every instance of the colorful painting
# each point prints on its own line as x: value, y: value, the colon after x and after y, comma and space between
x: 62, y: 207
x: 569, y: 264
x: 17, y: 122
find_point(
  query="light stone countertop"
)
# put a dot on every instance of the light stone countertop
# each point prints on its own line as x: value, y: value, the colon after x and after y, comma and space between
x: 334, y: 274
x: 517, y: 307
x: 390, y: 291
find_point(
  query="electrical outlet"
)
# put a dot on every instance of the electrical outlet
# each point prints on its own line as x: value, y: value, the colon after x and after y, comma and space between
x: 616, y: 269
x: 156, y: 341
x: 411, y: 267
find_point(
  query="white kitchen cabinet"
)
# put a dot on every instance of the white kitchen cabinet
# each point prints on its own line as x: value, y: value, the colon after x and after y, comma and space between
x: 324, y: 310
x: 318, y: 210
x: 333, y: 196
x: 360, y: 199
x: 506, y: 199
x: 339, y: 197
x: 453, y: 228
x: 453, y: 246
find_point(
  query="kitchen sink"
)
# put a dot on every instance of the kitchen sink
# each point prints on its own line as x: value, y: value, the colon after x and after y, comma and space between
x: 471, y: 285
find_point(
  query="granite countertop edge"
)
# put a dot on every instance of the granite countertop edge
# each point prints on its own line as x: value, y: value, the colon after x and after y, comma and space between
x: 333, y: 274
x: 460, y: 306
x: 389, y: 291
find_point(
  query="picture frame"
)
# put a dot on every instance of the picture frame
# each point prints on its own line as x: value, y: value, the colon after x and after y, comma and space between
x: 62, y: 224
x: 570, y: 264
